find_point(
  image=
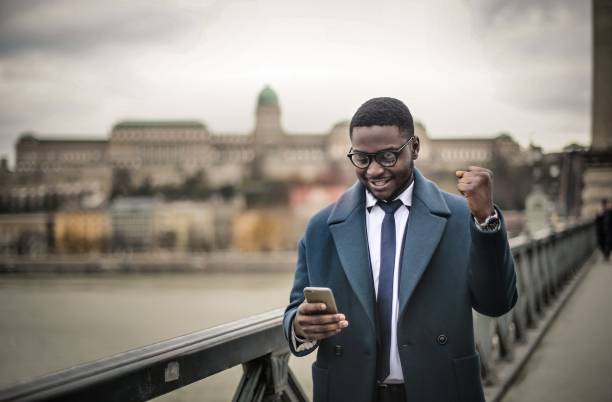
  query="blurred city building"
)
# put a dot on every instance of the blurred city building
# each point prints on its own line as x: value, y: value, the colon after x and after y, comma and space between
x: 264, y: 229
x: 175, y: 186
x: 132, y: 220
x: 26, y: 233
x: 159, y: 153
x: 81, y: 231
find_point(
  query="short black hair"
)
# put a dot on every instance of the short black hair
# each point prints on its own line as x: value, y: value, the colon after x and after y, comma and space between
x: 384, y: 112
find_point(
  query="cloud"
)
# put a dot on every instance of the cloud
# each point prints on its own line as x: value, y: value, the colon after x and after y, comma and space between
x: 496, y: 14
x: 541, y: 51
x: 71, y: 66
x: 66, y: 26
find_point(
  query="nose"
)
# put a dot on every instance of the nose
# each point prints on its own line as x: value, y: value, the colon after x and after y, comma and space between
x: 375, y: 169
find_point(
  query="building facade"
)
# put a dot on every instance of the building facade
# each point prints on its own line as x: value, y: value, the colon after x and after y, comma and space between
x: 65, y: 176
x: 166, y: 152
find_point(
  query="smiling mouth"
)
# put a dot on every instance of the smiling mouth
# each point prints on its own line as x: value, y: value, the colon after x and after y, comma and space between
x: 379, y: 183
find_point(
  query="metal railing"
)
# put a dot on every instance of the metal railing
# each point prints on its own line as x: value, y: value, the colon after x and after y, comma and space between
x: 142, y: 374
x: 544, y: 264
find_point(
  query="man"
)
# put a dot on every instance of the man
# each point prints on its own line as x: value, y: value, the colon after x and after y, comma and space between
x: 406, y: 263
x: 603, y: 226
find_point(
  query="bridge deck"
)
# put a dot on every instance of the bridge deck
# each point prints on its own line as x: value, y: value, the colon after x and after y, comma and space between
x: 573, y: 363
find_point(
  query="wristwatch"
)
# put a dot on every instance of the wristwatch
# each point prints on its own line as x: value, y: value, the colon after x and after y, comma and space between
x: 491, y: 224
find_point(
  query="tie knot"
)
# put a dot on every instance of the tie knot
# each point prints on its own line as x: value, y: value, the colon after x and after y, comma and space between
x: 390, y: 207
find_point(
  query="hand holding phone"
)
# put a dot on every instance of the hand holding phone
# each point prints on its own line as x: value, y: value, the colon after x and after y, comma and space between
x: 321, y: 295
x: 318, y: 318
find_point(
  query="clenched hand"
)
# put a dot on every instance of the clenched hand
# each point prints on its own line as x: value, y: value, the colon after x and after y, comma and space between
x: 476, y: 185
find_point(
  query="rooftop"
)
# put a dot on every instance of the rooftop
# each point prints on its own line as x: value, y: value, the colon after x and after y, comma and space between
x: 267, y: 97
x: 148, y: 124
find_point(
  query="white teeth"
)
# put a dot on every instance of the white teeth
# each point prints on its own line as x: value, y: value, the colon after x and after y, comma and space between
x: 379, y: 183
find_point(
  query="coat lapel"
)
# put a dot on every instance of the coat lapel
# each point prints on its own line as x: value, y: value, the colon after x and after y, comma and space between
x: 425, y: 227
x: 348, y: 229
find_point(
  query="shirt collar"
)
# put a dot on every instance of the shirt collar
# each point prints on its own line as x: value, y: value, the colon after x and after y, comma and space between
x: 405, y: 197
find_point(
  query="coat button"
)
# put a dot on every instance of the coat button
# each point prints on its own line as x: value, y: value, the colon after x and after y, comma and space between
x: 441, y: 339
x: 338, y: 350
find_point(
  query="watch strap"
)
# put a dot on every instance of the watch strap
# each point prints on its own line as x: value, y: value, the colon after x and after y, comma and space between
x: 490, y: 224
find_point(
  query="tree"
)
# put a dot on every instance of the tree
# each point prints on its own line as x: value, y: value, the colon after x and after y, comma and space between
x: 122, y: 182
x: 196, y: 186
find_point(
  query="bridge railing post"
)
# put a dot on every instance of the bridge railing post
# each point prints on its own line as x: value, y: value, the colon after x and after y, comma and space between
x: 529, y: 290
x: 520, y: 313
x: 269, y: 379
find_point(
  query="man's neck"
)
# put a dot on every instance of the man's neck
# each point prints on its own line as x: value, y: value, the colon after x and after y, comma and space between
x: 401, y: 189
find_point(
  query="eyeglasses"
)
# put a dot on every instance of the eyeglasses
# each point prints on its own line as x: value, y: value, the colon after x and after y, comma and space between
x: 385, y: 158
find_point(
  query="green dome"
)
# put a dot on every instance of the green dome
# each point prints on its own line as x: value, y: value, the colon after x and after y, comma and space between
x: 267, y: 97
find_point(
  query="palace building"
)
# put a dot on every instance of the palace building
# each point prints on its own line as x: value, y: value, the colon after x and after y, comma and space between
x: 70, y: 193
x: 166, y: 152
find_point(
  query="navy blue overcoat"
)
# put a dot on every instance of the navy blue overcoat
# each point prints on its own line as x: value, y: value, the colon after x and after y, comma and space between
x: 448, y: 267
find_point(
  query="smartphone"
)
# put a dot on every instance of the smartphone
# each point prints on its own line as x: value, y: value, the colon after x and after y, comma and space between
x: 321, y: 295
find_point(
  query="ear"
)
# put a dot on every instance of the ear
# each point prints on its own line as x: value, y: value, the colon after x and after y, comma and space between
x: 416, y: 147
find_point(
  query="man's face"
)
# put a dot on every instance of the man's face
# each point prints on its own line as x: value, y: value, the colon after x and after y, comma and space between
x: 385, y: 183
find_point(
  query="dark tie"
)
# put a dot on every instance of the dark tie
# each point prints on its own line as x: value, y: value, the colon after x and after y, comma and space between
x: 384, y: 301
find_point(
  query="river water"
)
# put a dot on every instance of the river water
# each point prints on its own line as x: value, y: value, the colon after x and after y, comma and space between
x: 51, y: 322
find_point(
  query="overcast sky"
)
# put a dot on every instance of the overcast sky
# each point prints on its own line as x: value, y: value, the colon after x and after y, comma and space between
x: 464, y: 67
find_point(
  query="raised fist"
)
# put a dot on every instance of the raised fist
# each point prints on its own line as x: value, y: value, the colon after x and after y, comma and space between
x: 476, y: 185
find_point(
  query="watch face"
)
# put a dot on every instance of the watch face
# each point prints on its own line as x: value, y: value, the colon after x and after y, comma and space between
x: 491, y: 223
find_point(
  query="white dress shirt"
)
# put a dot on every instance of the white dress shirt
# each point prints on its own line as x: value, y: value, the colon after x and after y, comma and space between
x: 374, y: 220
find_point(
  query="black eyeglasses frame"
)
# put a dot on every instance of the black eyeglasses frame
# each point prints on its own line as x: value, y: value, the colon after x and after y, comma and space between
x: 373, y: 156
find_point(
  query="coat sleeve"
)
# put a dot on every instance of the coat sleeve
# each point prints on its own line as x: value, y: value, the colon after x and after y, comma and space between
x: 492, y: 276
x: 300, y: 281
